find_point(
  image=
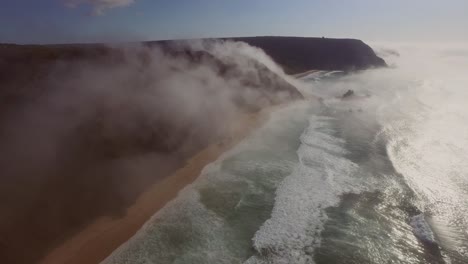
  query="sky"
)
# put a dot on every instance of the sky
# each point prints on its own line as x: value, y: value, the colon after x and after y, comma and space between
x: 82, y: 21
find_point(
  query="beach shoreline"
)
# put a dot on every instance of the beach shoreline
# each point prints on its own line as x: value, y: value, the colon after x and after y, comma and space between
x: 99, y: 239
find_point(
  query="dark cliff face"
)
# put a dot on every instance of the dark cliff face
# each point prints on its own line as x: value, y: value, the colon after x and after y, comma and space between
x: 298, y: 54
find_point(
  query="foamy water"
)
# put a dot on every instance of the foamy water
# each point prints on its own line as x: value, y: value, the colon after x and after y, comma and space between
x: 318, y: 180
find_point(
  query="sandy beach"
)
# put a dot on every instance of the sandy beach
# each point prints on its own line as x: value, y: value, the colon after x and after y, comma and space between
x: 98, y: 240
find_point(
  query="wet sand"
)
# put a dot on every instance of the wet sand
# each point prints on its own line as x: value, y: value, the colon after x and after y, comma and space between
x: 98, y: 240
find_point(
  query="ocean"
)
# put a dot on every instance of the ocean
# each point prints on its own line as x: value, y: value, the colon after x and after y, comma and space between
x: 377, y: 177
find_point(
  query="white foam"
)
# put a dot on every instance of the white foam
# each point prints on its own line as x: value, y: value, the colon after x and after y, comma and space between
x: 293, y: 231
x: 318, y: 75
x: 322, y: 140
x: 313, y: 75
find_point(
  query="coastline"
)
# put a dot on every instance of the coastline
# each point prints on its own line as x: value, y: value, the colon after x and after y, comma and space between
x: 99, y: 239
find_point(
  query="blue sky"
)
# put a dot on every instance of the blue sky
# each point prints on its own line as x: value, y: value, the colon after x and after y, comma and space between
x: 68, y: 21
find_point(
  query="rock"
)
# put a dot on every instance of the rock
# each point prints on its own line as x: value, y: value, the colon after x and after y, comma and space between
x: 349, y: 93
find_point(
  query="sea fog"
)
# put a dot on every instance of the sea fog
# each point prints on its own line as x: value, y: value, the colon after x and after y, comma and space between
x: 375, y: 177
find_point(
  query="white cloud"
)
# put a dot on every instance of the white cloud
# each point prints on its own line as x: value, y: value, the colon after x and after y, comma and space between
x: 100, y: 6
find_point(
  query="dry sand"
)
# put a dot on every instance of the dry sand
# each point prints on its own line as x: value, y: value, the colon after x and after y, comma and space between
x: 101, y: 238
